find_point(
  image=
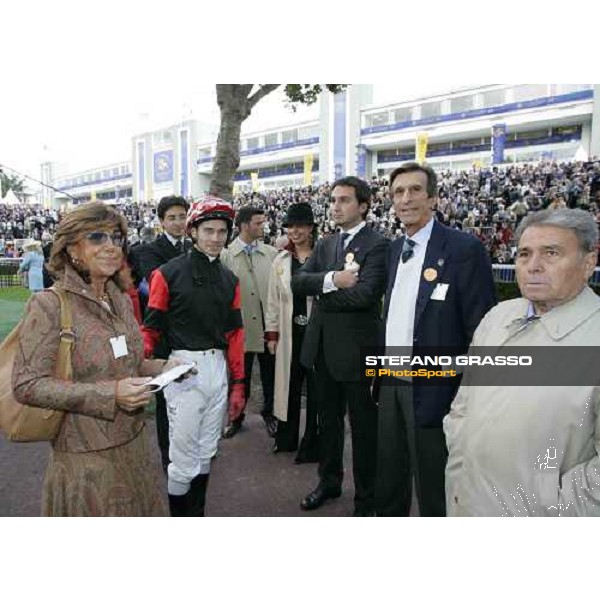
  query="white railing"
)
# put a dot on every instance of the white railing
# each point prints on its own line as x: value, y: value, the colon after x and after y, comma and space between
x: 8, y: 273
x: 506, y: 274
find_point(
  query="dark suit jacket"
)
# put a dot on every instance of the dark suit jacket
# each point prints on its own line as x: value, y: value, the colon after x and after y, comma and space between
x: 154, y: 255
x: 461, y: 261
x: 149, y: 257
x: 346, y: 319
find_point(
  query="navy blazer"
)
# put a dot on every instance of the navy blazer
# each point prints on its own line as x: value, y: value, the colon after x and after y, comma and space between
x: 461, y: 261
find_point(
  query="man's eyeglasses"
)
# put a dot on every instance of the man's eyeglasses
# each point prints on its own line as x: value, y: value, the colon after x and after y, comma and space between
x: 98, y: 238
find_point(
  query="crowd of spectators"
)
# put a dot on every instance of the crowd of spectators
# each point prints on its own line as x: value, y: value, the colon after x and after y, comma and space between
x: 487, y: 202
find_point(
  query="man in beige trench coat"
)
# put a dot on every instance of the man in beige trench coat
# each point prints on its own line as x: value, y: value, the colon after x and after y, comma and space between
x: 533, y: 450
x: 251, y: 259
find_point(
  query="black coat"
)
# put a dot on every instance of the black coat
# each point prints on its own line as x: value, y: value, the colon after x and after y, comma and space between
x: 148, y: 257
x: 154, y: 255
x: 346, y: 319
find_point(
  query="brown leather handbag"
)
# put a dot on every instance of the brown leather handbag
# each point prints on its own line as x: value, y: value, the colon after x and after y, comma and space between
x: 22, y: 423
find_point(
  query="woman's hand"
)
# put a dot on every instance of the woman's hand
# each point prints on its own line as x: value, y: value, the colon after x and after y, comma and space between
x: 272, y: 346
x: 132, y: 393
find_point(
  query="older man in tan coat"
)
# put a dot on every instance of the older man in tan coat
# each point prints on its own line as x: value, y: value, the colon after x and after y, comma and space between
x: 251, y: 259
x: 533, y: 450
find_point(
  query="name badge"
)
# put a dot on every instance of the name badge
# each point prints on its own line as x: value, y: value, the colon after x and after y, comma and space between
x: 440, y: 291
x: 119, y: 346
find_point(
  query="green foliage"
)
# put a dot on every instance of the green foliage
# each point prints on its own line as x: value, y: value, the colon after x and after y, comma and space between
x: 308, y: 93
x: 11, y: 182
x: 236, y: 102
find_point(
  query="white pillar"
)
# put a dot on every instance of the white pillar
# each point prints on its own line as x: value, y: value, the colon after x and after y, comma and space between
x: 594, y: 146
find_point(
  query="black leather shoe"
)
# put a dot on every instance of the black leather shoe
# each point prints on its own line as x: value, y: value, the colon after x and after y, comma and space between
x: 363, y: 512
x: 232, y: 429
x: 307, y: 456
x: 317, y: 498
x: 278, y: 449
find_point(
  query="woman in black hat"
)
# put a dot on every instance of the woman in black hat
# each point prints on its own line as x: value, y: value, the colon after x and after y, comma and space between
x: 286, y: 319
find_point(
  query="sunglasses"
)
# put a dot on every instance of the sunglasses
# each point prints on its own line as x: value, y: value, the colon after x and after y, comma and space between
x: 98, y: 238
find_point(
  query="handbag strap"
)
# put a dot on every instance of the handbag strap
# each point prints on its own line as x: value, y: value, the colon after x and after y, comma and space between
x: 64, y: 368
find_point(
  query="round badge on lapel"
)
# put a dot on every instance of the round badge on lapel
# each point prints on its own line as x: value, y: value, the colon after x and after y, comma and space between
x: 351, y: 264
x: 279, y: 270
x: 430, y: 274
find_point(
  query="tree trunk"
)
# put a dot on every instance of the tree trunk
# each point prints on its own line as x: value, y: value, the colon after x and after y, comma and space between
x: 235, y: 104
x: 232, y: 100
x: 227, y: 159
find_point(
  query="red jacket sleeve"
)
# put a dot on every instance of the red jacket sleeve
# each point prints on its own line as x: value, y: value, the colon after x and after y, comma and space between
x: 235, y: 339
x: 135, y: 301
x: 158, y: 304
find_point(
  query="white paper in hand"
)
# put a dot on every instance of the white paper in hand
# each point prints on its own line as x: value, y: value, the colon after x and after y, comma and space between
x: 164, y: 379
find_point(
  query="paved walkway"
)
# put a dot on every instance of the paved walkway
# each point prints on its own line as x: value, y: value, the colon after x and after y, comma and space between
x: 247, y: 479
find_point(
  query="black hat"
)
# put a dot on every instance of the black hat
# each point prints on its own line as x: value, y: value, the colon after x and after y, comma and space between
x: 299, y: 214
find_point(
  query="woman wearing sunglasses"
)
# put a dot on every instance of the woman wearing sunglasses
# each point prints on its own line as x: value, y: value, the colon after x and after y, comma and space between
x: 99, y: 462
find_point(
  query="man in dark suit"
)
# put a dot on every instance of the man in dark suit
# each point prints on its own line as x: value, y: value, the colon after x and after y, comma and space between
x: 440, y: 285
x: 172, y: 212
x: 346, y: 275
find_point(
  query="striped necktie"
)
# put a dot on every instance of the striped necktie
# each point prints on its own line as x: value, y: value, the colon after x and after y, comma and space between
x: 407, y: 249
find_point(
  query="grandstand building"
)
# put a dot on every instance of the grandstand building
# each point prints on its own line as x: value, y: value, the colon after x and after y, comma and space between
x: 535, y: 121
x: 353, y: 136
x: 111, y: 183
x: 163, y: 162
x: 474, y: 126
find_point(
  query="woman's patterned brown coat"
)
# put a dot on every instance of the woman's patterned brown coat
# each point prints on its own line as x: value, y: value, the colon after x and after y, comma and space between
x: 93, y: 420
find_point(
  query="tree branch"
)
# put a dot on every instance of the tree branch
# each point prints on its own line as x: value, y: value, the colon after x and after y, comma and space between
x: 265, y: 89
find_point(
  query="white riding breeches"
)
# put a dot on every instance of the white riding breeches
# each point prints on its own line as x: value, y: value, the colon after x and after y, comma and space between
x: 196, y: 409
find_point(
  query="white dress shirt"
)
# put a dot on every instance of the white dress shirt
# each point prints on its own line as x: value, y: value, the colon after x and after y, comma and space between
x: 328, y: 285
x: 174, y: 240
x: 401, y: 313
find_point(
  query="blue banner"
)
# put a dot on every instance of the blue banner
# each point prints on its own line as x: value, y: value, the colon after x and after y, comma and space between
x: 361, y: 161
x: 141, y: 172
x: 498, y: 143
x: 339, y: 134
x: 163, y: 166
x: 183, y: 137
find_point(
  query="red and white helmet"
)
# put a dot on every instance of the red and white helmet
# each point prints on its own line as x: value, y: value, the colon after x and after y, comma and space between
x: 210, y: 207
